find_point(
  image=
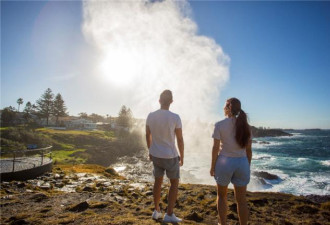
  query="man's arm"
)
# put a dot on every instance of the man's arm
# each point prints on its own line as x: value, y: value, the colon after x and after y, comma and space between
x: 148, y: 138
x: 179, y: 138
x: 215, y: 152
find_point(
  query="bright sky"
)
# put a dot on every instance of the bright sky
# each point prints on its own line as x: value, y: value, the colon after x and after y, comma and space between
x: 279, y: 58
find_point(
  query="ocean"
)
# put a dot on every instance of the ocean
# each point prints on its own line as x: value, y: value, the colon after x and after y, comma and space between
x: 297, y: 164
x: 301, y: 161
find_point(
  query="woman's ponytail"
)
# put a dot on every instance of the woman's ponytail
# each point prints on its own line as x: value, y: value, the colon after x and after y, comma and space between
x: 243, y: 132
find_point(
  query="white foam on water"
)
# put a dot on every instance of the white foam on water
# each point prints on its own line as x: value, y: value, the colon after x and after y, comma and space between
x: 261, y: 156
x: 119, y: 168
x: 325, y: 162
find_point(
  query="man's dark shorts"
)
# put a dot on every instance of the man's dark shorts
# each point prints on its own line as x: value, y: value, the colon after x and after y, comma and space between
x: 171, y: 166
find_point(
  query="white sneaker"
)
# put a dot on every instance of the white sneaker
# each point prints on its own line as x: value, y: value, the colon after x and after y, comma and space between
x: 156, y: 215
x: 171, y: 219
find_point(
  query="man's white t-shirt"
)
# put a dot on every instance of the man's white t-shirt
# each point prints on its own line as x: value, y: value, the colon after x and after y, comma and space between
x: 162, y: 124
x: 225, y: 131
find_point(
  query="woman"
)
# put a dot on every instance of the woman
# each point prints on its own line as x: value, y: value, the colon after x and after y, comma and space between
x: 231, y: 158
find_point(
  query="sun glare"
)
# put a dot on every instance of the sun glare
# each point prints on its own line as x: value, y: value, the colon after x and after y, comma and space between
x: 120, y: 68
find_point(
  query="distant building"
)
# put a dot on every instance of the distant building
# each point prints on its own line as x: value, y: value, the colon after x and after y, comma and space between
x: 81, y: 124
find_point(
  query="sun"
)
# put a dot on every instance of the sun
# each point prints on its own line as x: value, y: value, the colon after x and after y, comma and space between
x: 120, y: 67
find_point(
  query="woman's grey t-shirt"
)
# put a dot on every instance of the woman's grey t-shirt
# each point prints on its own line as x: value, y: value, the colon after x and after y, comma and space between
x: 225, y: 132
x: 162, y: 124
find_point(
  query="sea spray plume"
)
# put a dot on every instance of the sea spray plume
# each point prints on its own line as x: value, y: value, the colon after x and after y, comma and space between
x: 147, y: 47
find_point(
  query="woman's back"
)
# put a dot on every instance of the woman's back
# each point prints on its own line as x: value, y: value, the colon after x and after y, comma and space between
x: 225, y: 132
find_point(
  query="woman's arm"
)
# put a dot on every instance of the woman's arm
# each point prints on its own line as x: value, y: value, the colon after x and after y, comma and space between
x: 215, y: 152
x: 249, y: 151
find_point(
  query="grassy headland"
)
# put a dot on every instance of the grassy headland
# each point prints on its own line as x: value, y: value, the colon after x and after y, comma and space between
x: 75, y: 146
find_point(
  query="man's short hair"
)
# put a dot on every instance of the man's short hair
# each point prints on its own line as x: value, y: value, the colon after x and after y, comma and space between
x: 166, y: 97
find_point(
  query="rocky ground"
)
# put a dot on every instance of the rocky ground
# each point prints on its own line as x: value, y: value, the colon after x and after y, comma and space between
x: 90, y: 194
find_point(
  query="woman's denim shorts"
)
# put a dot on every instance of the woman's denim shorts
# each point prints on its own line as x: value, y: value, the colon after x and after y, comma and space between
x: 232, y: 169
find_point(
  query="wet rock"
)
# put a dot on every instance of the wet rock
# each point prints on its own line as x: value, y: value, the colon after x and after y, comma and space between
x: 79, y: 207
x: 194, y: 216
x: 111, y: 171
x: 265, y: 175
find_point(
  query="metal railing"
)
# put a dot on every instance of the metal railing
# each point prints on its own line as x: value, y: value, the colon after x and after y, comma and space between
x: 34, y: 157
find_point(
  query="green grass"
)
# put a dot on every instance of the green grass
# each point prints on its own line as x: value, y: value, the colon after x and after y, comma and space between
x: 72, y: 132
x: 66, y: 156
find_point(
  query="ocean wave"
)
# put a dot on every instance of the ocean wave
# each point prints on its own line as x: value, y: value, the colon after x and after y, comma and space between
x: 314, y: 183
x: 302, y: 159
x: 261, y: 144
x: 261, y: 156
x: 325, y: 162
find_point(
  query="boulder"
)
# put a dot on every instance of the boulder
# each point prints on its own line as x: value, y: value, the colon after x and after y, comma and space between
x: 265, y: 175
x: 82, y: 206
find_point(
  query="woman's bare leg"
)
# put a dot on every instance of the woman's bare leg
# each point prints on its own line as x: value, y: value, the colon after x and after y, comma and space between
x: 242, y: 209
x: 222, y: 204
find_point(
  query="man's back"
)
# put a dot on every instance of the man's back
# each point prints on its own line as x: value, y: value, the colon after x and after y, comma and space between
x: 162, y: 124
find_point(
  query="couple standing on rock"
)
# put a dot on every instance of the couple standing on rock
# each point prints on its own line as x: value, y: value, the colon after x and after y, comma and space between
x: 231, y: 156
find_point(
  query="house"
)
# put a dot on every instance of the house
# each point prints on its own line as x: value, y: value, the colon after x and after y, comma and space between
x: 81, y: 124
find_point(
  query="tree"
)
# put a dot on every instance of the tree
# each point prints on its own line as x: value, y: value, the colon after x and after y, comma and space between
x: 125, y: 118
x: 8, y: 116
x: 45, y: 104
x: 96, y: 118
x: 19, y: 102
x: 59, y: 108
x: 28, y: 111
x: 83, y: 115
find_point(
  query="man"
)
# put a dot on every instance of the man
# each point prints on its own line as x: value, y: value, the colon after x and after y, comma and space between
x: 161, y: 129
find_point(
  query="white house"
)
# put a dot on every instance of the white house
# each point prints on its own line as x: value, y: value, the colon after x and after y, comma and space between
x: 81, y: 124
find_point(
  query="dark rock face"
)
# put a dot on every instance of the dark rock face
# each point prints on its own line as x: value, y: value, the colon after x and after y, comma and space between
x: 265, y: 175
x: 318, y: 198
x: 268, y: 132
x: 79, y: 207
x: 194, y: 216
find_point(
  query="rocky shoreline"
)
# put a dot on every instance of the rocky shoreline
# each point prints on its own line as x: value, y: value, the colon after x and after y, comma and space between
x: 91, y: 194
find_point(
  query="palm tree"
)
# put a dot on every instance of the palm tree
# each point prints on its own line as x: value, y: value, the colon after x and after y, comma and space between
x: 19, y: 102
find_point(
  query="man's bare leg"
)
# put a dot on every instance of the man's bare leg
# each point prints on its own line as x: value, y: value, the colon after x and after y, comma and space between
x: 157, y: 191
x: 172, y: 195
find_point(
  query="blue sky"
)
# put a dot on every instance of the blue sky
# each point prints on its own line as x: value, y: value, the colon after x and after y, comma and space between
x: 279, y: 56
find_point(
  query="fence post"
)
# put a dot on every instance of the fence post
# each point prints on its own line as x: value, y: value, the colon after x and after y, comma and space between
x: 14, y: 162
x: 42, y: 157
